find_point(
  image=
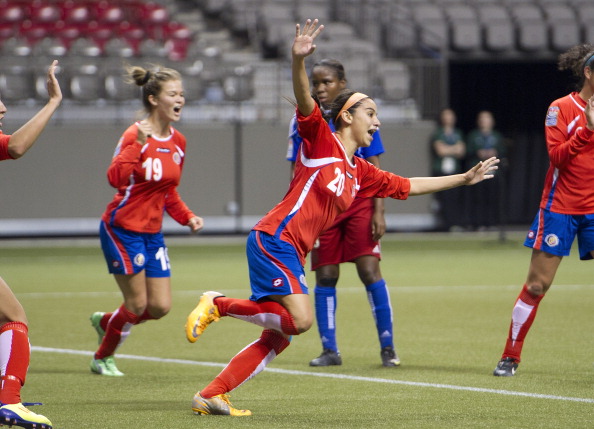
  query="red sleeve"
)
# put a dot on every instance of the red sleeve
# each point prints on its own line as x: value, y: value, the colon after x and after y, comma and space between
x: 176, y: 208
x: 561, y: 149
x: 314, y: 130
x: 381, y: 184
x: 4, y: 147
x: 125, y: 160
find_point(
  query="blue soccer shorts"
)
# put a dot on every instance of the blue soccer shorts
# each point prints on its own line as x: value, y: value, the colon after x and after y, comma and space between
x: 129, y: 252
x: 274, y: 266
x: 554, y: 233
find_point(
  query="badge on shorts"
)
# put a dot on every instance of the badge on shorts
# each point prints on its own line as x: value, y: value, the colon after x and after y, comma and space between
x: 278, y: 282
x: 552, y: 114
x: 302, y: 280
x: 552, y: 240
x: 139, y: 260
x: 531, y: 235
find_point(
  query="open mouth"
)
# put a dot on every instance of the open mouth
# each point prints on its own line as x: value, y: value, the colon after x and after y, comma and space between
x: 371, y: 132
x: 177, y: 109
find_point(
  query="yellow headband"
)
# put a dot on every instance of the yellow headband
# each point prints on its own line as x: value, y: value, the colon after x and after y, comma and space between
x: 353, y: 99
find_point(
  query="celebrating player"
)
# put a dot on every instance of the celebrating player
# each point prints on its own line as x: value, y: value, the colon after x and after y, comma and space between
x: 354, y: 237
x: 567, y: 203
x: 146, y: 170
x: 15, y: 350
x: 327, y: 179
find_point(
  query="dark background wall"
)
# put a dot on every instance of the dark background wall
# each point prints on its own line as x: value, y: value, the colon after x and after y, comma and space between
x: 518, y: 94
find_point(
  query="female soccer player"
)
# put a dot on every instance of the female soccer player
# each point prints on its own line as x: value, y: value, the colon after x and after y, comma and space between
x: 327, y: 179
x: 354, y: 237
x: 567, y: 203
x: 15, y: 350
x: 146, y: 170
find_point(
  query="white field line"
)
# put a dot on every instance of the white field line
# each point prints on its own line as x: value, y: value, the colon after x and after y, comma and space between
x: 346, y: 289
x: 326, y: 375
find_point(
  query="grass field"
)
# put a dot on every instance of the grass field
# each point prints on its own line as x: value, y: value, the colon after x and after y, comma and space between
x: 452, y: 297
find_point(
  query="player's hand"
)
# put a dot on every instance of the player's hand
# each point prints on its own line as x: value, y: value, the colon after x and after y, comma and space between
x: 303, y: 45
x: 196, y: 223
x: 483, y: 170
x: 589, y: 113
x: 144, y: 132
x: 378, y: 226
x: 53, y: 86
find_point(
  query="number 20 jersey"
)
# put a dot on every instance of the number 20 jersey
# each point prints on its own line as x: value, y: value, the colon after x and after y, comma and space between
x: 324, y: 185
x: 146, y: 178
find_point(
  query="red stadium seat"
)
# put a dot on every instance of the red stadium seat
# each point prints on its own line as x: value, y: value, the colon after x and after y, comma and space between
x: 13, y: 12
x: 76, y: 12
x: 43, y: 11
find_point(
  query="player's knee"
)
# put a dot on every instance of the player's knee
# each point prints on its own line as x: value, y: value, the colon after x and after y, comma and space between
x: 303, y: 325
x: 328, y: 281
x: 159, y: 311
x: 537, y: 288
x: 369, y: 277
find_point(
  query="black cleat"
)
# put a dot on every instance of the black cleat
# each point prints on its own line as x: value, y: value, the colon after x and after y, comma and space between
x: 506, y: 367
x: 390, y: 357
x: 327, y: 358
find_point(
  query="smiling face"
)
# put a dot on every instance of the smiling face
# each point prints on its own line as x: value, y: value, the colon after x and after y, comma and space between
x: 325, y: 84
x: 167, y: 105
x: 363, y: 122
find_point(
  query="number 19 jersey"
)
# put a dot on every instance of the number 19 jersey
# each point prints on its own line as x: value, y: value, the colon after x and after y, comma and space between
x: 324, y: 185
x: 146, y: 178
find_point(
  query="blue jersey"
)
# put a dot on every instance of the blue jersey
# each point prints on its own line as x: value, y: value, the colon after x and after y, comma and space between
x: 375, y: 148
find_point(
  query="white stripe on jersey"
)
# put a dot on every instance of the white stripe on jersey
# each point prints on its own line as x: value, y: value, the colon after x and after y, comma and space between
x: 576, y: 103
x: 572, y: 124
x: 318, y: 162
x: 304, y: 192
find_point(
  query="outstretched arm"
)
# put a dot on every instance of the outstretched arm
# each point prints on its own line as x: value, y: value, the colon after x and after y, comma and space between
x: 427, y: 185
x: 22, y: 139
x: 303, y: 46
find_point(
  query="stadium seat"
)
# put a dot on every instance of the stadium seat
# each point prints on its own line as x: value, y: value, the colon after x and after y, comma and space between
x: 13, y: 12
x: 394, y: 80
x: 44, y: 11
x: 116, y: 88
x: 50, y: 47
x: 563, y: 31
x: 84, y: 47
x: 85, y: 82
x: 432, y: 26
x: 530, y: 25
x: 497, y: 28
x: 191, y: 72
x: 75, y: 12
x: 16, y: 81
x: 464, y: 27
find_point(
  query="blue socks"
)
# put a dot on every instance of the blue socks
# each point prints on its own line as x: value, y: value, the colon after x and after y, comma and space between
x: 325, y: 303
x: 379, y: 300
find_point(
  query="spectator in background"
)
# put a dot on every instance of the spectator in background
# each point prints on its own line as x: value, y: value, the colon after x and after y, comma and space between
x: 484, y: 143
x: 447, y: 153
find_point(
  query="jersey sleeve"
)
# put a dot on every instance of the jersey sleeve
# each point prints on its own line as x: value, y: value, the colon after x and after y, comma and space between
x: 4, y: 147
x: 176, y: 208
x: 313, y: 130
x: 561, y: 149
x: 375, y: 148
x: 381, y: 184
x: 125, y: 159
x: 294, y: 141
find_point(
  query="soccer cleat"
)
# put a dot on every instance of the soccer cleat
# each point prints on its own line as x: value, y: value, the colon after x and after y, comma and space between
x: 203, y: 315
x: 389, y: 357
x: 106, y: 366
x: 18, y: 415
x: 217, y: 405
x: 96, y: 323
x: 506, y: 367
x: 327, y: 358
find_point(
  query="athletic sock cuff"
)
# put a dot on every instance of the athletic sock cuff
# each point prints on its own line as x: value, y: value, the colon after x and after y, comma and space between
x: 15, y: 326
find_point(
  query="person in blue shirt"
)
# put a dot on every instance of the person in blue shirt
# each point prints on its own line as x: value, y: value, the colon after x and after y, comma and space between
x: 354, y: 237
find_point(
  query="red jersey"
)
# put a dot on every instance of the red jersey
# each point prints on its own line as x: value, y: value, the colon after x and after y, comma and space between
x: 4, y: 147
x: 324, y: 185
x: 146, y: 178
x: 569, y: 183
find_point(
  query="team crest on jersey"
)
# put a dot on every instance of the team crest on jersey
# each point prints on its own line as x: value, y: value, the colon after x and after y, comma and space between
x: 552, y: 240
x: 552, y: 115
x: 177, y: 158
x: 278, y: 282
x: 139, y: 260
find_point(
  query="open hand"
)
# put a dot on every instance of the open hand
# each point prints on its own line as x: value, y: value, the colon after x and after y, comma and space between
x: 303, y: 44
x: 483, y: 170
x: 53, y: 87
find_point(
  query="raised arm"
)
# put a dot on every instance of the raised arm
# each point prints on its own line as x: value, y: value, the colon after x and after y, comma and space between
x: 22, y: 139
x: 303, y: 46
x: 427, y: 185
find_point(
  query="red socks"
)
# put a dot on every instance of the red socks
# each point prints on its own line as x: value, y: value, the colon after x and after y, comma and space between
x: 117, y: 331
x: 522, y: 318
x: 14, y: 360
x: 267, y: 314
x: 247, y: 363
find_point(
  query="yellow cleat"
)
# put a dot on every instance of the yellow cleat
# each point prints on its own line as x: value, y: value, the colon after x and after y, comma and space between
x: 203, y: 315
x: 217, y: 405
x: 18, y: 415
